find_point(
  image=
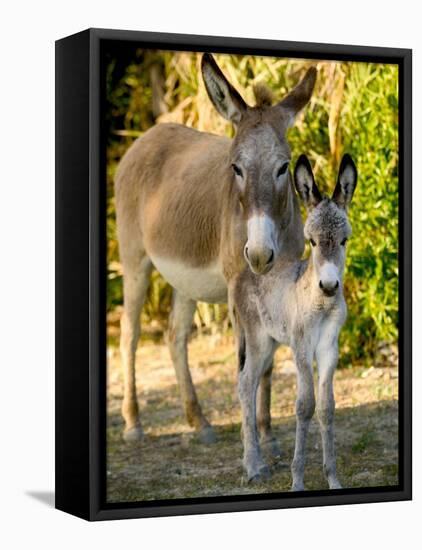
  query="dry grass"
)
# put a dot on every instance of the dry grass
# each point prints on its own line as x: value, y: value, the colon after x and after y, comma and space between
x: 170, y: 463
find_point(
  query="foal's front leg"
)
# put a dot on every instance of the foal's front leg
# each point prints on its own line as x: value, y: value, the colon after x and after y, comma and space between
x: 327, y: 357
x: 258, y: 349
x: 305, y: 408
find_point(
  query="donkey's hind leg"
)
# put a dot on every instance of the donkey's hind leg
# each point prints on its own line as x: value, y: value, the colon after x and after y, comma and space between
x: 269, y: 444
x: 180, y: 326
x: 135, y: 286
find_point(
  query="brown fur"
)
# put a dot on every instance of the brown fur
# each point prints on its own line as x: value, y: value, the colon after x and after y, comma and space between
x: 168, y: 222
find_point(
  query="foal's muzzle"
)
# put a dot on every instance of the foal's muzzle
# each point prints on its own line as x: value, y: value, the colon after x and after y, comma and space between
x: 329, y: 289
x: 260, y: 259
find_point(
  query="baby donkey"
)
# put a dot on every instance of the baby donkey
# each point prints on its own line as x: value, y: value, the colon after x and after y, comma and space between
x: 299, y: 304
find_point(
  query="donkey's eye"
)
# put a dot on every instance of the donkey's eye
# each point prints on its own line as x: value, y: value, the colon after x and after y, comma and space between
x: 313, y: 243
x: 283, y: 169
x: 237, y: 170
x: 343, y: 242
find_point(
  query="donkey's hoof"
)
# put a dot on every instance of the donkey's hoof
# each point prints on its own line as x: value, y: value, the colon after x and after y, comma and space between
x: 297, y: 487
x: 133, y: 434
x: 263, y: 475
x: 271, y: 449
x: 207, y: 435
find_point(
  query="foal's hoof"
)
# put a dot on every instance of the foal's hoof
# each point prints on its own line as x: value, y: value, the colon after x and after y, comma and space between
x: 271, y: 449
x: 264, y: 474
x: 335, y: 484
x: 134, y: 434
x: 297, y: 487
x: 207, y: 435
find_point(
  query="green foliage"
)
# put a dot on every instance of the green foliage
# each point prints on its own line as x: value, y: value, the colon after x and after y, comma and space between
x: 354, y: 109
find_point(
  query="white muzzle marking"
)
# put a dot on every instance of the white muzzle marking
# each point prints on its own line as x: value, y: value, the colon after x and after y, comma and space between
x: 329, y: 275
x: 261, y: 233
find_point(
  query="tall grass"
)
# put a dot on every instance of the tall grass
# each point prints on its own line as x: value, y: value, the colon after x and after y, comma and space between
x: 354, y: 108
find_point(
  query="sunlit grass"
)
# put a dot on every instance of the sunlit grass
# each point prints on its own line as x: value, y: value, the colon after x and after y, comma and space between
x: 171, y: 463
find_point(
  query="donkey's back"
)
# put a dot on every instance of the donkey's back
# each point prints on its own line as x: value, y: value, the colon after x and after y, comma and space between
x: 162, y: 175
x: 167, y: 149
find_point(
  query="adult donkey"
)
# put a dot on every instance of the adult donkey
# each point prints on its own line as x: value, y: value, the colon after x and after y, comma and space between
x: 197, y: 206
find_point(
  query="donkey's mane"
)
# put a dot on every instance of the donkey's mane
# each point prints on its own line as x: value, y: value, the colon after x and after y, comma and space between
x: 263, y: 95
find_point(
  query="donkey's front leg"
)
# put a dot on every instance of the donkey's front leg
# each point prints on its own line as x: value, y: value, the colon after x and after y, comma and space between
x: 180, y: 326
x: 305, y: 408
x: 327, y: 357
x: 249, y: 377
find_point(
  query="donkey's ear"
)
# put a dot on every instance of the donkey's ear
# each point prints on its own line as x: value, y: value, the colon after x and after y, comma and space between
x: 298, y: 97
x: 305, y: 183
x: 225, y: 98
x: 346, y: 182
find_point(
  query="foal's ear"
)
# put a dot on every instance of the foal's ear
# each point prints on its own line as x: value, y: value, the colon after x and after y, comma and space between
x: 305, y: 183
x: 298, y: 97
x: 346, y: 182
x: 225, y: 98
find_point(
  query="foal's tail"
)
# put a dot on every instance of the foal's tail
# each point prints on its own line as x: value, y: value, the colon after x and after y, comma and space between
x: 239, y: 334
x: 241, y: 349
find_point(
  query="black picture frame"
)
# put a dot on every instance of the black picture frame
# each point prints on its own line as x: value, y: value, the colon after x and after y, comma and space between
x: 81, y: 274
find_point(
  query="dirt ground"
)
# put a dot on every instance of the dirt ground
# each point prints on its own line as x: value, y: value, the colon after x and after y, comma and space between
x: 171, y: 463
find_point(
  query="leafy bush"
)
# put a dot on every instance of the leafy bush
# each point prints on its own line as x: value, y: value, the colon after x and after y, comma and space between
x: 354, y: 109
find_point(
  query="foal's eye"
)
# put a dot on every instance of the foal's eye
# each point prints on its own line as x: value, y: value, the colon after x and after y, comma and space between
x: 343, y: 242
x: 237, y: 170
x: 283, y: 169
x: 313, y: 243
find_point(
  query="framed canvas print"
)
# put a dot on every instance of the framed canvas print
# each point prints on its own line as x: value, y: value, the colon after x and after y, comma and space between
x: 233, y: 276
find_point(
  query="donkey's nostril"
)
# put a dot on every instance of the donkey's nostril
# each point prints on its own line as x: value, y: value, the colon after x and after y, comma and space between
x: 260, y: 259
x: 336, y: 287
x: 321, y: 286
x: 271, y: 258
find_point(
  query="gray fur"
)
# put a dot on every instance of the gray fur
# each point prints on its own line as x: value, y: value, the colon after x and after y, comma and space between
x: 290, y: 306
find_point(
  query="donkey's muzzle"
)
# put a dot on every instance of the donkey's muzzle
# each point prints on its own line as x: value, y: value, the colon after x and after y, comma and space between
x: 260, y: 260
x: 329, y: 289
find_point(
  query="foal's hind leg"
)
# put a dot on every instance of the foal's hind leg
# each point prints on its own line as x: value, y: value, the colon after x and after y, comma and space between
x: 327, y: 357
x: 268, y: 443
x: 135, y: 286
x: 305, y: 407
x: 180, y: 326
x: 259, y: 352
